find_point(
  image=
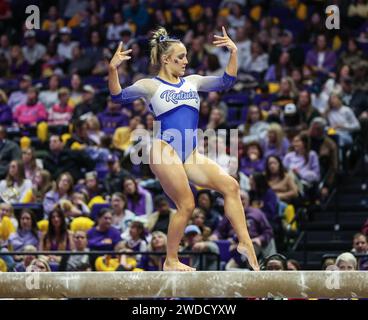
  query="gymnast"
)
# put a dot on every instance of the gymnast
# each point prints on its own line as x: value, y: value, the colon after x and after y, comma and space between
x: 174, y: 101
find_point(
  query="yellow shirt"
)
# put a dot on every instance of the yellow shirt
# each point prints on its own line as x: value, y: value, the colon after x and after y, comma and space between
x: 121, y: 138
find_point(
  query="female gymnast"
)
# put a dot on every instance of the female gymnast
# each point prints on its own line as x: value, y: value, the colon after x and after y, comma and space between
x: 174, y: 101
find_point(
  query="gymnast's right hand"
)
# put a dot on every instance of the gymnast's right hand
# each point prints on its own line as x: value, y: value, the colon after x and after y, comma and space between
x: 120, y: 56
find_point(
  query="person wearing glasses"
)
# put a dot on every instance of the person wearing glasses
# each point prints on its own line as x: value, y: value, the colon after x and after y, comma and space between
x: 77, y: 262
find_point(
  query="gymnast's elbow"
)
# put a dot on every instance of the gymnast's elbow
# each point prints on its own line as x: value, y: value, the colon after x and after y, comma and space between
x: 228, y: 81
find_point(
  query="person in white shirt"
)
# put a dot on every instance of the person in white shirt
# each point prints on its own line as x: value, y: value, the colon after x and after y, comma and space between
x: 342, y: 119
x: 257, y: 61
x: 15, y: 186
x: 32, y: 51
x: 65, y: 47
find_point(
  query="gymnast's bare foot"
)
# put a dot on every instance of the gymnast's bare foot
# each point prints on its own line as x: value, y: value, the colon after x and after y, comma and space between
x: 176, y: 265
x: 244, y: 249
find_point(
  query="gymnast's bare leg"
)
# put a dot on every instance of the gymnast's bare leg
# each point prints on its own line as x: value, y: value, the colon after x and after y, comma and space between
x: 175, y: 183
x: 206, y: 173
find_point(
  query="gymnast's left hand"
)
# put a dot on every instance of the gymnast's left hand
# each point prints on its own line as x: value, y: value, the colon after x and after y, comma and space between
x: 225, y: 41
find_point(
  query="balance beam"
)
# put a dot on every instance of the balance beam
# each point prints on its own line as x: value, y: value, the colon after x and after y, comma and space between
x: 210, y: 284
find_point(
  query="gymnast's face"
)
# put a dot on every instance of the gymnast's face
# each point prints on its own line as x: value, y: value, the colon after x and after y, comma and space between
x: 176, y: 61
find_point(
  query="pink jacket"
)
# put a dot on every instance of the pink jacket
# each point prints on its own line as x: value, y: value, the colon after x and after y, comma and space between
x: 27, y: 115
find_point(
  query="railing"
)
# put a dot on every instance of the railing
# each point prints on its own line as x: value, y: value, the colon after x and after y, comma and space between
x: 114, y: 253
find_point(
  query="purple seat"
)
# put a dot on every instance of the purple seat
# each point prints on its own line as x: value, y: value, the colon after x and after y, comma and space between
x: 224, y: 246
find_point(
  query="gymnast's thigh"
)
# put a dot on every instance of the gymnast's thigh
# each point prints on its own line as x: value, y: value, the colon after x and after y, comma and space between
x: 168, y: 168
x: 206, y: 173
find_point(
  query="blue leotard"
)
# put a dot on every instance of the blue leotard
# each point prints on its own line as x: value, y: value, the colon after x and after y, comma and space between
x: 175, y: 106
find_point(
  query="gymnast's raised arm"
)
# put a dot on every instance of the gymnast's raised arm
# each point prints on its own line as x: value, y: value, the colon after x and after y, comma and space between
x: 131, y: 93
x: 212, y: 83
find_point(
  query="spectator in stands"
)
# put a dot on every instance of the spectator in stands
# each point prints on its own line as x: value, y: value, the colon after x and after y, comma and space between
x: 90, y: 186
x: 79, y: 262
x: 112, y: 118
x: 293, y: 265
x: 41, y: 185
x: 62, y: 190
x: 263, y: 197
x: 199, y: 219
x: 307, y: 112
x: 116, y: 27
x: 88, y: 103
x: 6, y: 117
x: 253, y: 160
x: 9, y: 151
x: 79, y: 205
x: 103, y: 236
x: 282, y: 69
x: 215, y: 100
x: 76, y: 93
x: 352, y: 56
x: 60, y: 113
x: 194, y: 242
x: 346, y: 262
x: 39, y: 264
x: 57, y: 237
x: 257, y: 62
x: 33, y: 51
x: 217, y: 121
x: 19, y: 66
x: 321, y: 58
x: 50, y: 97
x: 275, y: 143
x: 66, y: 45
x: 288, y: 93
x: 27, y: 232
x: 136, y: 238
x: 122, y: 138
x: 157, y: 244
x: 31, y: 164
x: 139, y: 199
x: 280, y: 181
x: 60, y: 160
x: 139, y: 109
x: 276, y: 262
x: 51, y: 19
x: 15, y: 186
x: 255, y: 127
x: 342, y: 119
x: 27, y: 259
x: 81, y: 63
x: 121, y: 216
x: 20, y: 96
x: 6, y: 209
x: 360, y: 244
x: 94, y: 130
x: 95, y: 49
x: 139, y: 62
x: 287, y: 45
x: 115, y: 176
x: 32, y: 112
x: 159, y: 220
x: 303, y: 161
x: 327, y: 152
x: 206, y: 202
x: 79, y: 139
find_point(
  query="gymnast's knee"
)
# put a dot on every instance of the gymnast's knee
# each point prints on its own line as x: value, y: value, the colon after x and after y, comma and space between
x: 186, y: 206
x: 231, y: 187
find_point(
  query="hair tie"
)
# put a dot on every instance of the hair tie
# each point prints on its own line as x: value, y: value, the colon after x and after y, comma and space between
x: 163, y: 38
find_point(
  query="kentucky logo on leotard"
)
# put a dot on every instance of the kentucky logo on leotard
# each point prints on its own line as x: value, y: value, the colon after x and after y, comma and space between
x: 171, y: 95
